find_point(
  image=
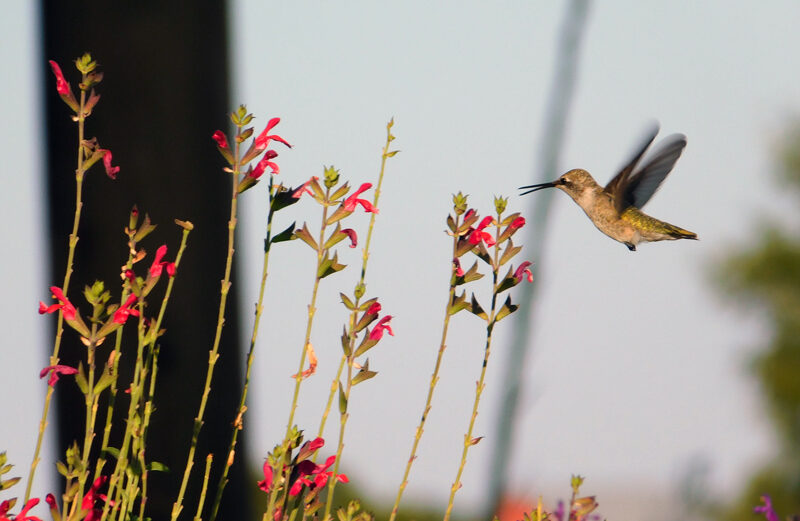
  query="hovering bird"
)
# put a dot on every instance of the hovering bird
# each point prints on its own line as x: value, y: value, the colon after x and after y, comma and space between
x: 616, y: 209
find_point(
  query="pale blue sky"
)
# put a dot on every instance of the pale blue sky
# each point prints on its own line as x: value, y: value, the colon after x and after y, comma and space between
x: 638, y: 365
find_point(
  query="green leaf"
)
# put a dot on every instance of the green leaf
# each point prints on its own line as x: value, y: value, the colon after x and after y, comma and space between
x: 509, y: 252
x: 305, y: 235
x: 470, y: 275
x: 156, y: 466
x: 283, y: 197
x: 342, y: 400
x: 111, y: 451
x: 364, y: 374
x: 330, y: 266
x: 347, y: 302
x: 104, y: 381
x: 345, y: 342
x: 459, y: 303
x: 285, y: 235
x: 392, y: 153
x: 506, y: 310
x: 61, y: 468
x: 335, y: 238
x: 366, y: 344
x: 8, y: 483
x: 451, y: 223
x: 80, y: 379
x: 340, y: 192
x: 476, y: 309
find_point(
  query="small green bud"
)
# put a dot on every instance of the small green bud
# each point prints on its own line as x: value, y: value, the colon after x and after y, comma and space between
x: 460, y: 203
x: 331, y: 177
x: 500, y: 204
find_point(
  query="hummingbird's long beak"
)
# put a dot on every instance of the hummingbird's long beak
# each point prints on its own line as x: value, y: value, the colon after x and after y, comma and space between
x: 533, y: 188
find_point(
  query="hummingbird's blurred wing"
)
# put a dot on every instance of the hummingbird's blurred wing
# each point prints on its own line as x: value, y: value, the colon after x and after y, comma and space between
x: 618, y: 186
x: 646, y: 180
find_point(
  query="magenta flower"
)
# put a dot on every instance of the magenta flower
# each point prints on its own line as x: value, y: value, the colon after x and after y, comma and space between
x: 517, y: 223
x: 158, y: 265
x: 374, y: 309
x: 121, y: 315
x: 263, y: 139
x: 55, y: 373
x: 522, y: 270
x: 766, y: 509
x: 383, y: 324
x: 351, y: 233
x: 457, y: 267
x: 64, y: 305
x: 478, y: 235
x: 62, y: 86
x: 319, y: 473
x: 5, y: 506
x: 219, y: 137
x: 265, y: 162
x: 111, y: 171
x: 266, y: 483
x: 304, y: 189
x: 351, y: 202
x: 91, y: 497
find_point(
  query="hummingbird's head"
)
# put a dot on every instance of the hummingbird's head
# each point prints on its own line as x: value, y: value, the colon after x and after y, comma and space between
x: 575, y: 183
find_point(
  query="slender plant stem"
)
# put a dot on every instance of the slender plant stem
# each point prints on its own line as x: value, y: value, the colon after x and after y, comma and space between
x: 479, y: 385
x: 311, y: 311
x: 73, y: 241
x: 350, y: 360
x: 365, y: 259
x: 214, y: 353
x: 434, y: 380
x: 238, y: 423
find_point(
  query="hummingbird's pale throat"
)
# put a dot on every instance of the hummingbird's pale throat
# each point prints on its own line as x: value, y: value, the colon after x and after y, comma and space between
x: 615, y: 208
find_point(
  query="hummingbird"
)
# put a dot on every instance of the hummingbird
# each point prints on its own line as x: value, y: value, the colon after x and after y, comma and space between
x: 616, y: 208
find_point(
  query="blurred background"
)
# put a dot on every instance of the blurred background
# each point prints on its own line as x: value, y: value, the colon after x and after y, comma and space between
x: 668, y: 377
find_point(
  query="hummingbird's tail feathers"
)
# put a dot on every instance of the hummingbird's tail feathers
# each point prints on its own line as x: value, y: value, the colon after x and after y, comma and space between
x: 680, y: 233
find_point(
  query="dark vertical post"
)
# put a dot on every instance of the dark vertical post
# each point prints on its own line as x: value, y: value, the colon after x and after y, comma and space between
x: 164, y: 92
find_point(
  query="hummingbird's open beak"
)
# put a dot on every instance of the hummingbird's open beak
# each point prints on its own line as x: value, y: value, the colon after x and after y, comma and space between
x: 533, y: 188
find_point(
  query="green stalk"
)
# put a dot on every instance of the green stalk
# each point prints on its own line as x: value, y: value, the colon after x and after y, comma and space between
x: 352, y: 325
x: 479, y: 386
x: 214, y: 353
x: 238, y: 422
x: 433, y: 382
x: 73, y: 241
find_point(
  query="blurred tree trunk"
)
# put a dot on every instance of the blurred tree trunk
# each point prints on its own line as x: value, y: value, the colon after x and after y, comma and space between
x: 164, y: 92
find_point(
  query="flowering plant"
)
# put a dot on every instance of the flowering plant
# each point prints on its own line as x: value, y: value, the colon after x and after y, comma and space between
x: 114, y: 484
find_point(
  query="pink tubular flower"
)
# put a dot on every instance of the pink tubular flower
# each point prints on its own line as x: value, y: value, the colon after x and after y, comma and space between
x: 55, y: 373
x: 158, y: 265
x: 111, y: 171
x: 351, y: 202
x: 219, y: 137
x: 304, y: 189
x: 374, y: 309
x: 351, y: 233
x: 518, y: 223
x: 266, y: 483
x: 64, y: 305
x: 457, y: 267
x: 522, y: 270
x: 62, y: 86
x: 121, y: 315
x: 479, y: 235
x: 766, y: 509
x: 5, y: 506
x: 377, y: 332
x: 263, y: 139
x: 265, y: 162
x: 91, y: 497
x: 319, y: 473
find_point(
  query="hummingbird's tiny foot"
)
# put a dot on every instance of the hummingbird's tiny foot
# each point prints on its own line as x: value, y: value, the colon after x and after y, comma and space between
x: 630, y: 245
